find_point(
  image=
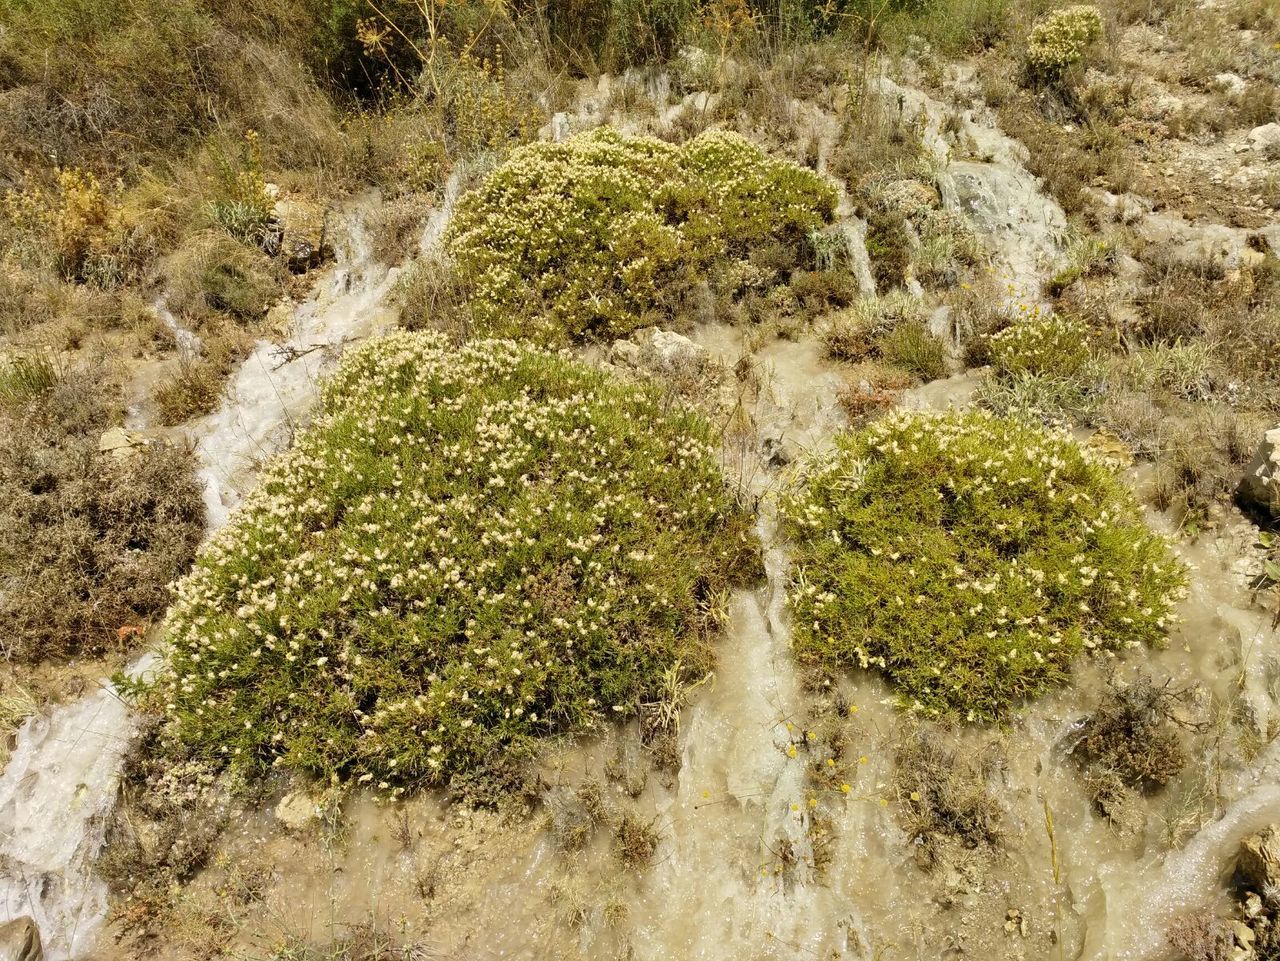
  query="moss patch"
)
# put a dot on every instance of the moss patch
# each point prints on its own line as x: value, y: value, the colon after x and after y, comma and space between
x: 469, y: 549
x: 970, y: 558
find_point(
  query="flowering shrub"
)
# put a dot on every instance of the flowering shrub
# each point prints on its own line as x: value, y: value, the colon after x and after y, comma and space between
x: 74, y: 226
x: 242, y: 205
x: 1059, y: 40
x: 469, y: 548
x: 970, y: 558
x: 587, y: 236
x: 1041, y: 344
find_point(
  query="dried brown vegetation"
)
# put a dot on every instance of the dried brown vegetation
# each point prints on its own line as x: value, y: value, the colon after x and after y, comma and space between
x: 89, y: 540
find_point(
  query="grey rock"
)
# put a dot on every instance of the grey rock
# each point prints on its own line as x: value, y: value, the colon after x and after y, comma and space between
x: 668, y: 350
x: 120, y: 442
x: 1259, y: 489
x: 303, y: 234
x: 1264, y: 138
x: 774, y: 449
x: 1252, y: 906
x: 296, y: 810
x: 626, y: 353
x: 1230, y: 83
x: 1244, y: 934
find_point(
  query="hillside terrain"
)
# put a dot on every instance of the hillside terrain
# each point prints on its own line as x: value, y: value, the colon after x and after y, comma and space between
x: 640, y: 479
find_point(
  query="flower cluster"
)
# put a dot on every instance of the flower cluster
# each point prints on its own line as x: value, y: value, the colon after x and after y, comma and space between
x: 970, y: 558
x: 1039, y: 343
x: 1059, y: 40
x: 588, y: 236
x: 469, y: 548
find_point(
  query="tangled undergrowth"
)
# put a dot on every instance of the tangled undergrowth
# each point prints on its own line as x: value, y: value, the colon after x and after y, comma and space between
x: 602, y: 234
x: 970, y: 558
x: 1132, y: 745
x: 469, y: 549
x: 89, y: 539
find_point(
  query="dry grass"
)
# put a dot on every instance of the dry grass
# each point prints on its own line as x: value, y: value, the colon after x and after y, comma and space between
x: 89, y: 541
x: 16, y: 705
x: 1133, y: 744
x: 944, y: 800
x: 635, y: 841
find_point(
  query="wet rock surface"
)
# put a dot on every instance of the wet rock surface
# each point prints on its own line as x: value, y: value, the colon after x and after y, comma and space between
x: 303, y: 234
x: 1259, y: 864
x: 20, y: 941
x: 297, y: 810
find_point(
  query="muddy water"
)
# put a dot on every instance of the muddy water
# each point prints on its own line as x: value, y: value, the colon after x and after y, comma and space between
x: 55, y: 794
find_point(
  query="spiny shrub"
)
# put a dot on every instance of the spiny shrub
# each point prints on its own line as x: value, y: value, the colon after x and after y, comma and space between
x: 587, y: 237
x: 970, y: 558
x: 1060, y: 40
x: 470, y: 548
x: 1040, y: 344
x: 1133, y: 735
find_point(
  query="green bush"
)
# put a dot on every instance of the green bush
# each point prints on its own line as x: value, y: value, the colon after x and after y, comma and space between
x: 1054, y: 345
x: 858, y: 332
x: 470, y: 548
x: 971, y: 559
x: 1060, y: 40
x: 593, y: 236
x: 215, y: 274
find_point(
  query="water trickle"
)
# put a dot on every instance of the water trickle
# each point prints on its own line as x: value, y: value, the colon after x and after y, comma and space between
x: 55, y: 795
x: 59, y: 786
x: 188, y: 341
x: 271, y: 392
x: 854, y: 231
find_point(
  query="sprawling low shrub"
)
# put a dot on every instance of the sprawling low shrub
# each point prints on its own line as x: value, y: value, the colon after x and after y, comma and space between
x: 470, y: 548
x: 593, y: 236
x: 1060, y: 40
x: 970, y: 558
